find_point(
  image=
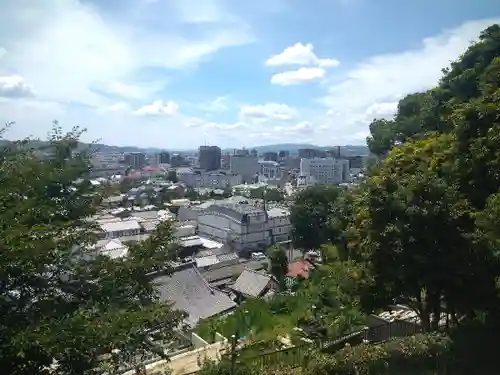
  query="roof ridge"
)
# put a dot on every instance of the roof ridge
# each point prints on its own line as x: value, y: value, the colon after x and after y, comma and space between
x: 205, y: 282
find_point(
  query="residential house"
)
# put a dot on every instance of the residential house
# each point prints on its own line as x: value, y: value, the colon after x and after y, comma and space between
x: 254, y: 284
x: 298, y: 269
x: 190, y: 292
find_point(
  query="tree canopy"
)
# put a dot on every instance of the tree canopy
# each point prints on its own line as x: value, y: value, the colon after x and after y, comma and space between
x: 61, y: 304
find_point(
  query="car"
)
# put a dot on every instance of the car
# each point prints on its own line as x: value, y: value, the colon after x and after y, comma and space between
x: 258, y: 256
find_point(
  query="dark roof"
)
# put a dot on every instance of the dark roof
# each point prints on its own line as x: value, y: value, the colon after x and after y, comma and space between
x: 226, y: 272
x: 190, y: 292
x: 251, y: 283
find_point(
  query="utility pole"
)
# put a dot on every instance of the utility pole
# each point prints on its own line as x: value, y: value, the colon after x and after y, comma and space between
x: 234, y: 354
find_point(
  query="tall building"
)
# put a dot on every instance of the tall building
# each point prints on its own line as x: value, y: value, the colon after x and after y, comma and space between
x: 245, y: 165
x: 209, y: 157
x: 270, y: 156
x: 325, y: 170
x: 164, y: 157
x: 135, y: 160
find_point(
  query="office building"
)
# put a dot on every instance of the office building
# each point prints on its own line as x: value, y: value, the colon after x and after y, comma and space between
x: 245, y: 165
x: 210, y: 157
x: 270, y: 156
x: 135, y: 160
x: 325, y: 170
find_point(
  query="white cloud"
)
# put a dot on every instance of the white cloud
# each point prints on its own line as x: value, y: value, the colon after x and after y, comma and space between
x: 300, y: 54
x: 65, y: 48
x: 297, y: 77
x: 219, y: 104
x: 158, y: 107
x: 270, y: 111
x: 381, y: 110
x: 15, y: 87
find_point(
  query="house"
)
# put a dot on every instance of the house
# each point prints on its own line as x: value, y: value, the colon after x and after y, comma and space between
x: 190, y: 292
x: 253, y: 284
x: 112, y: 248
x: 120, y: 228
x: 298, y: 269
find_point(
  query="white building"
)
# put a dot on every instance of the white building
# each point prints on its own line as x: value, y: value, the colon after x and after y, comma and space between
x: 214, y: 180
x: 244, y: 224
x: 325, y: 170
x: 247, y: 166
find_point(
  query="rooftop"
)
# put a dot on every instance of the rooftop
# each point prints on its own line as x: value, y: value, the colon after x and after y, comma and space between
x: 190, y: 292
x: 299, y: 268
x: 120, y: 226
x: 251, y: 283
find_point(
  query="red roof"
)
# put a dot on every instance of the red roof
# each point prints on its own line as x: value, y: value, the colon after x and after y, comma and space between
x: 151, y: 169
x: 299, y: 268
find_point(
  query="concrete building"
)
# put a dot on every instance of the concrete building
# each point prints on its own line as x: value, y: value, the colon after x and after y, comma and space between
x: 311, y: 153
x: 269, y: 169
x: 245, y: 165
x: 270, y: 156
x: 202, y: 179
x: 135, y: 160
x: 210, y: 157
x: 244, y: 224
x: 325, y: 170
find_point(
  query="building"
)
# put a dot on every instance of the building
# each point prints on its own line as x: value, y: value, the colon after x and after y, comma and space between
x: 225, y: 161
x: 269, y: 169
x: 246, y: 166
x: 311, y: 153
x: 325, y: 170
x: 204, y: 179
x: 178, y: 160
x: 270, y: 156
x: 135, y: 160
x: 210, y: 158
x: 283, y: 155
x: 164, y: 157
x: 190, y: 292
x: 254, y: 284
x: 243, y: 223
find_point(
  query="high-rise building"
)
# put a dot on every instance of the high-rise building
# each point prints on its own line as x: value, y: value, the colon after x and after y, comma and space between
x: 270, y: 156
x: 209, y: 157
x: 135, y: 160
x: 311, y: 153
x: 164, y: 157
x: 245, y: 165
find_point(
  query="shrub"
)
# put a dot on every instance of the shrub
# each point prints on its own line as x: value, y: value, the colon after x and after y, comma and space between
x: 420, y: 351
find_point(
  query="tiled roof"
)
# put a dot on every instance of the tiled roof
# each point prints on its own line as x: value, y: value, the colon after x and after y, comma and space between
x: 299, y: 268
x: 190, y: 292
x: 251, y: 283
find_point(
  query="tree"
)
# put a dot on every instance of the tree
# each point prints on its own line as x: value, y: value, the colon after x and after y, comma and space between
x: 310, y: 215
x: 172, y: 176
x: 61, y: 303
x: 416, y: 235
x: 274, y: 195
x: 278, y: 264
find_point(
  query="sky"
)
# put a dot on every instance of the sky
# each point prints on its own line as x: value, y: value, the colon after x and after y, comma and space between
x: 177, y: 74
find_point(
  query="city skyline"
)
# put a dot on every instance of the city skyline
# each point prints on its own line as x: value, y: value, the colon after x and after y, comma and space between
x: 181, y: 73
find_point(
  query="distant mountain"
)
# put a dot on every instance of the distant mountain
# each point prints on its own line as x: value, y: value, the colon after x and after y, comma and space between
x: 293, y: 148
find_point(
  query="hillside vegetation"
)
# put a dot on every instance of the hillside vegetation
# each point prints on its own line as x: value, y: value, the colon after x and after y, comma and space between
x: 423, y: 230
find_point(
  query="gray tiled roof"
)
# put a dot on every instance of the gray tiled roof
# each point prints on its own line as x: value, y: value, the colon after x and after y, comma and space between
x: 190, y: 292
x: 251, y: 283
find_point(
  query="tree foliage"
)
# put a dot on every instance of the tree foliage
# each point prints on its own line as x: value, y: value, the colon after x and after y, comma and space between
x: 278, y: 264
x: 59, y: 302
x: 426, y: 223
x: 310, y: 215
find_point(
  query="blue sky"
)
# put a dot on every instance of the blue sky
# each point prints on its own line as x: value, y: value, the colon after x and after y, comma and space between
x: 180, y: 73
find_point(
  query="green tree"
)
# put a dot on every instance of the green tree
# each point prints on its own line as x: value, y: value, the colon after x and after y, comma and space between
x: 61, y: 303
x: 310, y: 215
x: 274, y: 195
x: 172, y: 176
x: 278, y: 264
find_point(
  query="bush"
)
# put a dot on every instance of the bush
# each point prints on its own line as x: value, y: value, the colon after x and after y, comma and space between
x: 422, y: 351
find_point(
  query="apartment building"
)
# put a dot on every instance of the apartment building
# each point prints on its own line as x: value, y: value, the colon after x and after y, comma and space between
x: 244, y: 224
x: 245, y: 165
x: 325, y: 170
